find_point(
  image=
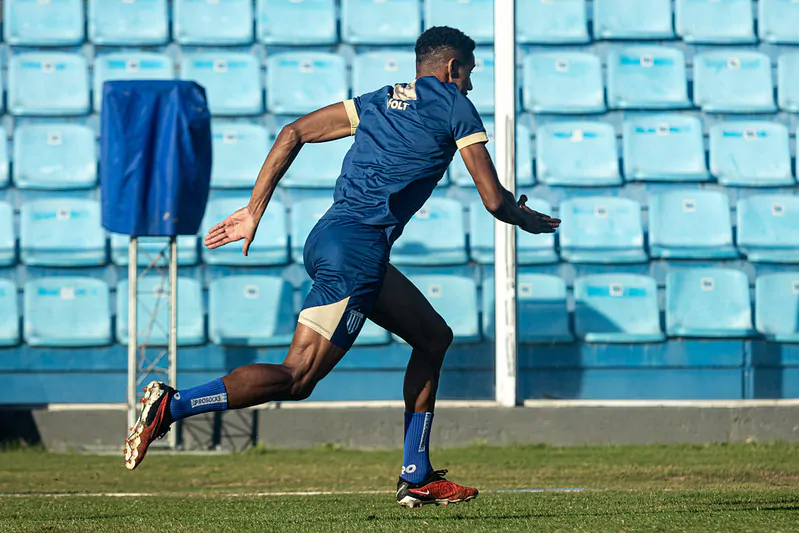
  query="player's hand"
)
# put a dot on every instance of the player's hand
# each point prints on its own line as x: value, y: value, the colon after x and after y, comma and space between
x: 535, y: 222
x: 240, y: 225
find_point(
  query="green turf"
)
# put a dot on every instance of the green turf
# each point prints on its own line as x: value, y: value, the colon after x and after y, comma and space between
x: 652, y: 488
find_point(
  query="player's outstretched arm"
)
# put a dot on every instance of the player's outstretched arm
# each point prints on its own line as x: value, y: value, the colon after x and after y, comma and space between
x: 326, y: 124
x: 497, y: 199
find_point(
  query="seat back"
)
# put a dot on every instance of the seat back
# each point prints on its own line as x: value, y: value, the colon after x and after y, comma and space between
x: 733, y: 82
x: 3, y: 158
x: 301, y: 82
x: 616, y: 307
x: 563, y: 82
x: 455, y: 299
x: 601, y: 229
x: 788, y: 82
x: 625, y: 19
x: 561, y: 22
x: 482, y: 93
x: 459, y: 175
x: 7, y: 234
x: 121, y: 22
x: 213, y: 23
x: 55, y: 156
x: 129, y: 66
x: 48, y: 83
x: 750, y: 153
x: 777, y: 305
x: 475, y: 18
x: 318, y: 165
x: 434, y: 236
x: 53, y: 23
x: 767, y: 227
x: 370, y: 22
x: 9, y: 313
x: 714, y: 22
x: 232, y: 81
x: 577, y: 153
x: 664, y: 148
x: 61, y: 232
x: 675, y: 216
x: 776, y: 21
x: 373, y: 70
x: 296, y: 23
x: 239, y: 150
x: 647, y: 77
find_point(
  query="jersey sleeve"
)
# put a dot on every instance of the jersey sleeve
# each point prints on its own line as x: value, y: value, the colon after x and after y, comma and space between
x: 467, y: 127
x: 354, y: 107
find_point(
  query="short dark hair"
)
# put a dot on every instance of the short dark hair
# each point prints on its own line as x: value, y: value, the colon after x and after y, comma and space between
x: 438, y: 43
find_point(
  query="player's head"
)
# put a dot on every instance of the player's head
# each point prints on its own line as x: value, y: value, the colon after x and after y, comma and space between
x: 447, y: 54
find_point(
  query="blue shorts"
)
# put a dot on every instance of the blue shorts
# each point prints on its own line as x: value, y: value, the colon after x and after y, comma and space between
x: 347, y: 262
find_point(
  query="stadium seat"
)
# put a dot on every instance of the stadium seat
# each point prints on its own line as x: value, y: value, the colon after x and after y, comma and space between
x: 129, y: 66
x: 459, y: 175
x: 43, y: 23
x: 251, y: 311
x: 767, y: 228
x: 55, y: 156
x: 562, y: 22
x: 482, y: 93
x: 301, y: 82
x: 67, y: 311
x: 270, y: 246
x: 601, y: 230
x: 373, y: 70
x: 776, y: 21
x: 530, y: 249
x: 434, y: 236
x: 647, y: 77
x: 9, y: 314
x: 7, y: 235
x: 61, y: 232
x: 626, y: 19
x: 380, y: 21
x: 475, y: 18
x: 750, y: 154
x: 150, y: 248
x: 208, y: 22
x: 304, y: 216
x: 295, y: 22
x: 128, y: 23
x: 578, y: 154
x: 318, y: 165
x: 232, y: 81
x: 3, y: 158
x: 455, y: 299
x: 690, y: 224
x: 563, y: 82
x: 617, y: 308
x: 543, y: 316
x: 708, y: 302
x: 788, y: 82
x: 777, y: 306
x: 715, y: 21
x: 737, y: 82
x: 664, y: 148
x: 153, y: 311
x: 48, y: 83
x: 239, y: 150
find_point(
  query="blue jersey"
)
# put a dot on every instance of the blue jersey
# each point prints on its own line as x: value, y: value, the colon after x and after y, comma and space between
x: 405, y: 138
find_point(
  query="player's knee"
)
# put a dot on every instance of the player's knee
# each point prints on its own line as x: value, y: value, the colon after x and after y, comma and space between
x: 439, y: 341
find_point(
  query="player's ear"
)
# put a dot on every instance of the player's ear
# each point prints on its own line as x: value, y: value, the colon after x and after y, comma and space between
x: 453, y: 69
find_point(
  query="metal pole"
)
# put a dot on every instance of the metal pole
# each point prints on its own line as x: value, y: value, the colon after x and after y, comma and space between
x: 504, y: 234
x: 133, y: 329
x: 173, y: 323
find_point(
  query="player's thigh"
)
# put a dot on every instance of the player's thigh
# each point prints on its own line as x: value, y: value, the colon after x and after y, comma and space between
x: 311, y: 356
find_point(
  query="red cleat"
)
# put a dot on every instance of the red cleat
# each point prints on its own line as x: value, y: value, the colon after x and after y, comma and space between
x: 153, y: 422
x: 433, y: 489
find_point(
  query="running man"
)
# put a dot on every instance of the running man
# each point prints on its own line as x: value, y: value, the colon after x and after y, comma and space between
x: 405, y: 138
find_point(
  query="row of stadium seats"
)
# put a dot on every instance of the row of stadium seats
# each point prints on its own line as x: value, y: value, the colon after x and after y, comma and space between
x: 595, y: 230
x: 260, y: 310
x: 644, y: 77
x: 301, y: 22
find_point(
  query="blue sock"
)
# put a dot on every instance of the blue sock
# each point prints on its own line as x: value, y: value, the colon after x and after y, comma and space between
x: 416, y: 462
x: 211, y: 396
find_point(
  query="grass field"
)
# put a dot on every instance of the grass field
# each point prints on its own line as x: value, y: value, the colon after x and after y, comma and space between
x: 653, y: 488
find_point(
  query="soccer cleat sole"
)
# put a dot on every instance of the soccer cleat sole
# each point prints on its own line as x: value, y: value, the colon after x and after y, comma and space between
x: 152, y: 393
x: 414, y: 503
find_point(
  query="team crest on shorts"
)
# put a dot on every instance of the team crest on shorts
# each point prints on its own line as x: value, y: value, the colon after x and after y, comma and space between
x: 354, y: 321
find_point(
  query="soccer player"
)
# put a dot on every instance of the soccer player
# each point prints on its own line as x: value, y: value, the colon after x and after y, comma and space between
x: 405, y: 138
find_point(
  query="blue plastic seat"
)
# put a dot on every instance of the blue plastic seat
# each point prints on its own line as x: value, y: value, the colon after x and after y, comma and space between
x: 690, y: 224
x: 61, y: 232
x: 301, y: 82
x: 563, y: 22
x: 543, y: 316
x: 708, y: 302
x: 628, y: 19
x: 239, y: 150
x: 150, y: 249
x: 380, y: 21
x: 67, y: 311
x: 213, y: 23
x: 373, y: 70
x: 434, y: 236
x: 296, y: 22
x: 459, y: 174
x: 7, y: 235
x: 475, y: 18
x: 750, y: 154
x: 455, y: 299
x: 129, y: 66
x: 251, y: 311
x: 3, y: 158
x: 617, y: 308
x: 55, y: 156
x: 664, y: 148
x: 776, y: 21
x: 733, y: 82
x: 153, y: 311
x: 563, y: 82
x: 318, y: 165
x: 304, y: 216
x: 715, y: 21
x: 530, y: 249
x: 232, y: 81
x: 371, y: 334
x: 767, y: 228
x: 270, y: 247
x: 578, y: 154
x: 788, y: 82
x: 601, y: 230
x: 37, y: 23
x: 9, y: 314
x: 482, y: 93
x: 128, y: 23
x: 777, y: 306
x: 48, y: 83
x: 647, y: 77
